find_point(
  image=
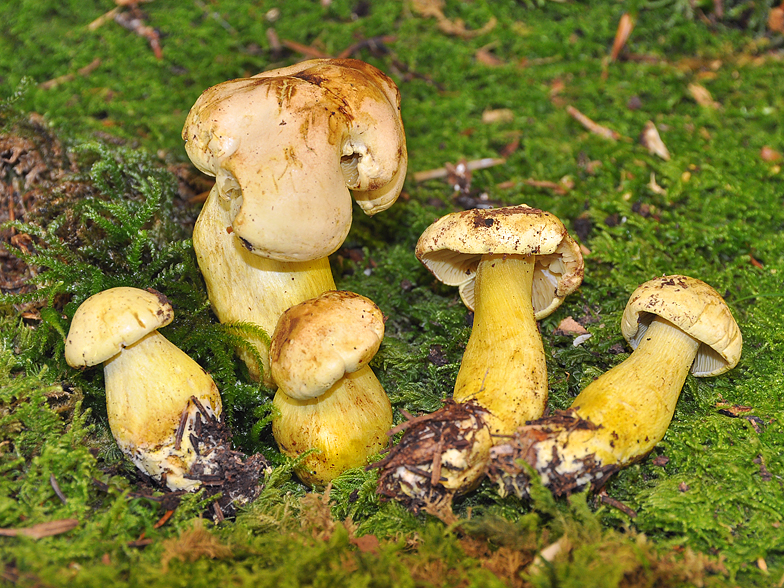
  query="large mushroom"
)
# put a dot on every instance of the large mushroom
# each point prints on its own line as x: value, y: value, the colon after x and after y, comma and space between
x: 675, y: 324
x: 513, y: 266
x: 288, y: 148
x: 328, y: 398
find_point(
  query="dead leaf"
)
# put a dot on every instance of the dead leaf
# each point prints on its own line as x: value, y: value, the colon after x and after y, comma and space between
x: 625, y: 27
x: 702, y: 96
x: 652, y: 141
x: 769, y: 154
x: 457, y: 28
x: 497, y: 115
x: 366, y: 543
x: 42, y: 530
x: 485, y: 56
x: 776, y: 19
x: 592, y: 126
x: 569, y: 326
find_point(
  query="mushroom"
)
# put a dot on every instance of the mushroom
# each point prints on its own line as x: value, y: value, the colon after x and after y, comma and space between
x: 513, y: 266
x: 328, y: 398
x: 288, y: 147
x: 158, y: 399
x: 674, y: 324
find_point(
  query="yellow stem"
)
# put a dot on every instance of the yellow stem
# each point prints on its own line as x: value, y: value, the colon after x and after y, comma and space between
x: 634, y: 402
x: 503, y: 366
x: 244, y: 287
x: 347, y: 425
x: 148, y: 386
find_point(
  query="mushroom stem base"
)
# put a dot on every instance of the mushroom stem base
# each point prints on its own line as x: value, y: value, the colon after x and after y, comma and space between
x: 614, y: 422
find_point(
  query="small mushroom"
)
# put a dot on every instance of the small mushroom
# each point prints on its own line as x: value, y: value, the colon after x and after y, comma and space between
x: 288, y: 148
x: 674, y: 324
x: 156, y: 396
x: 513, y: 266
x: 328, y: 398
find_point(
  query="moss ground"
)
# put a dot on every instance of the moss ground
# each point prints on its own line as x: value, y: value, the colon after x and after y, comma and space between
x: 709, y: 500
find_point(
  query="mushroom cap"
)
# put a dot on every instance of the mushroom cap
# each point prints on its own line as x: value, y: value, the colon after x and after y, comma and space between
x: 287, y: 145
x: 108, y: 321
x: 320, y: 340
x: 452, y: 247
x: 695, y: 308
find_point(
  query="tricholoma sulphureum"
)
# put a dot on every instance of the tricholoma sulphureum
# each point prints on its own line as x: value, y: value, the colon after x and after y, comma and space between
x: 328, y: 398
x: 164, y: 409
x: 514, y: 266
x: 288, y: 149
x: 674, y: 324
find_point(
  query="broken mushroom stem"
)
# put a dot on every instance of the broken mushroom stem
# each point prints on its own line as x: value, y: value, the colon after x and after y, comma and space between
x: 675, y: 324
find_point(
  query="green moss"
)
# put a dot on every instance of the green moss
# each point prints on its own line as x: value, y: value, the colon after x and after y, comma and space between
x: 718, y: 217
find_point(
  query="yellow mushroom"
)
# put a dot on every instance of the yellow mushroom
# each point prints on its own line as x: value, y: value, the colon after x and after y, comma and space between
x: 675, y: 324
x: 328, y: 398
x: 156, y: 395
x: 513, y: 266
x: 288, y: 147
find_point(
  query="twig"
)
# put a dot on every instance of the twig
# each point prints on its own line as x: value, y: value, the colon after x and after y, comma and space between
x: 215, y: 16
x: 375, y: 44
x: 137, y: 25
x: 557, y: 187
x: 84, y: 71
x: 107, y: 16
x: 56, y: 488
x: 162, y: 521
x: 610, y: 501
x: 442, y: 172
x: 305, y: 50
x: 591, y: 125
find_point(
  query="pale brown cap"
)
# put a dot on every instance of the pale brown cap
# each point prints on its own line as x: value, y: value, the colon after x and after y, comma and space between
x: 108, y: 321
x: 320, y: 340
x: 287, y: 146
x: 695, y: 308
x: 452, y: 247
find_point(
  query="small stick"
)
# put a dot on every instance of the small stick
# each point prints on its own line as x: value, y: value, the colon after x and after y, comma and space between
x: 56, y: 488
x: 304, y: 49
x: 84, y: 71
x: 162, y: 521
x: 591, y: 125
x: 554, y: 186
x: 442, y: 172
x: 103, y: 18
x: 610, y: 501
x: 435, y: 476
x: 371, y: 43
x: 218, y: 512
x: 181, y: 428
